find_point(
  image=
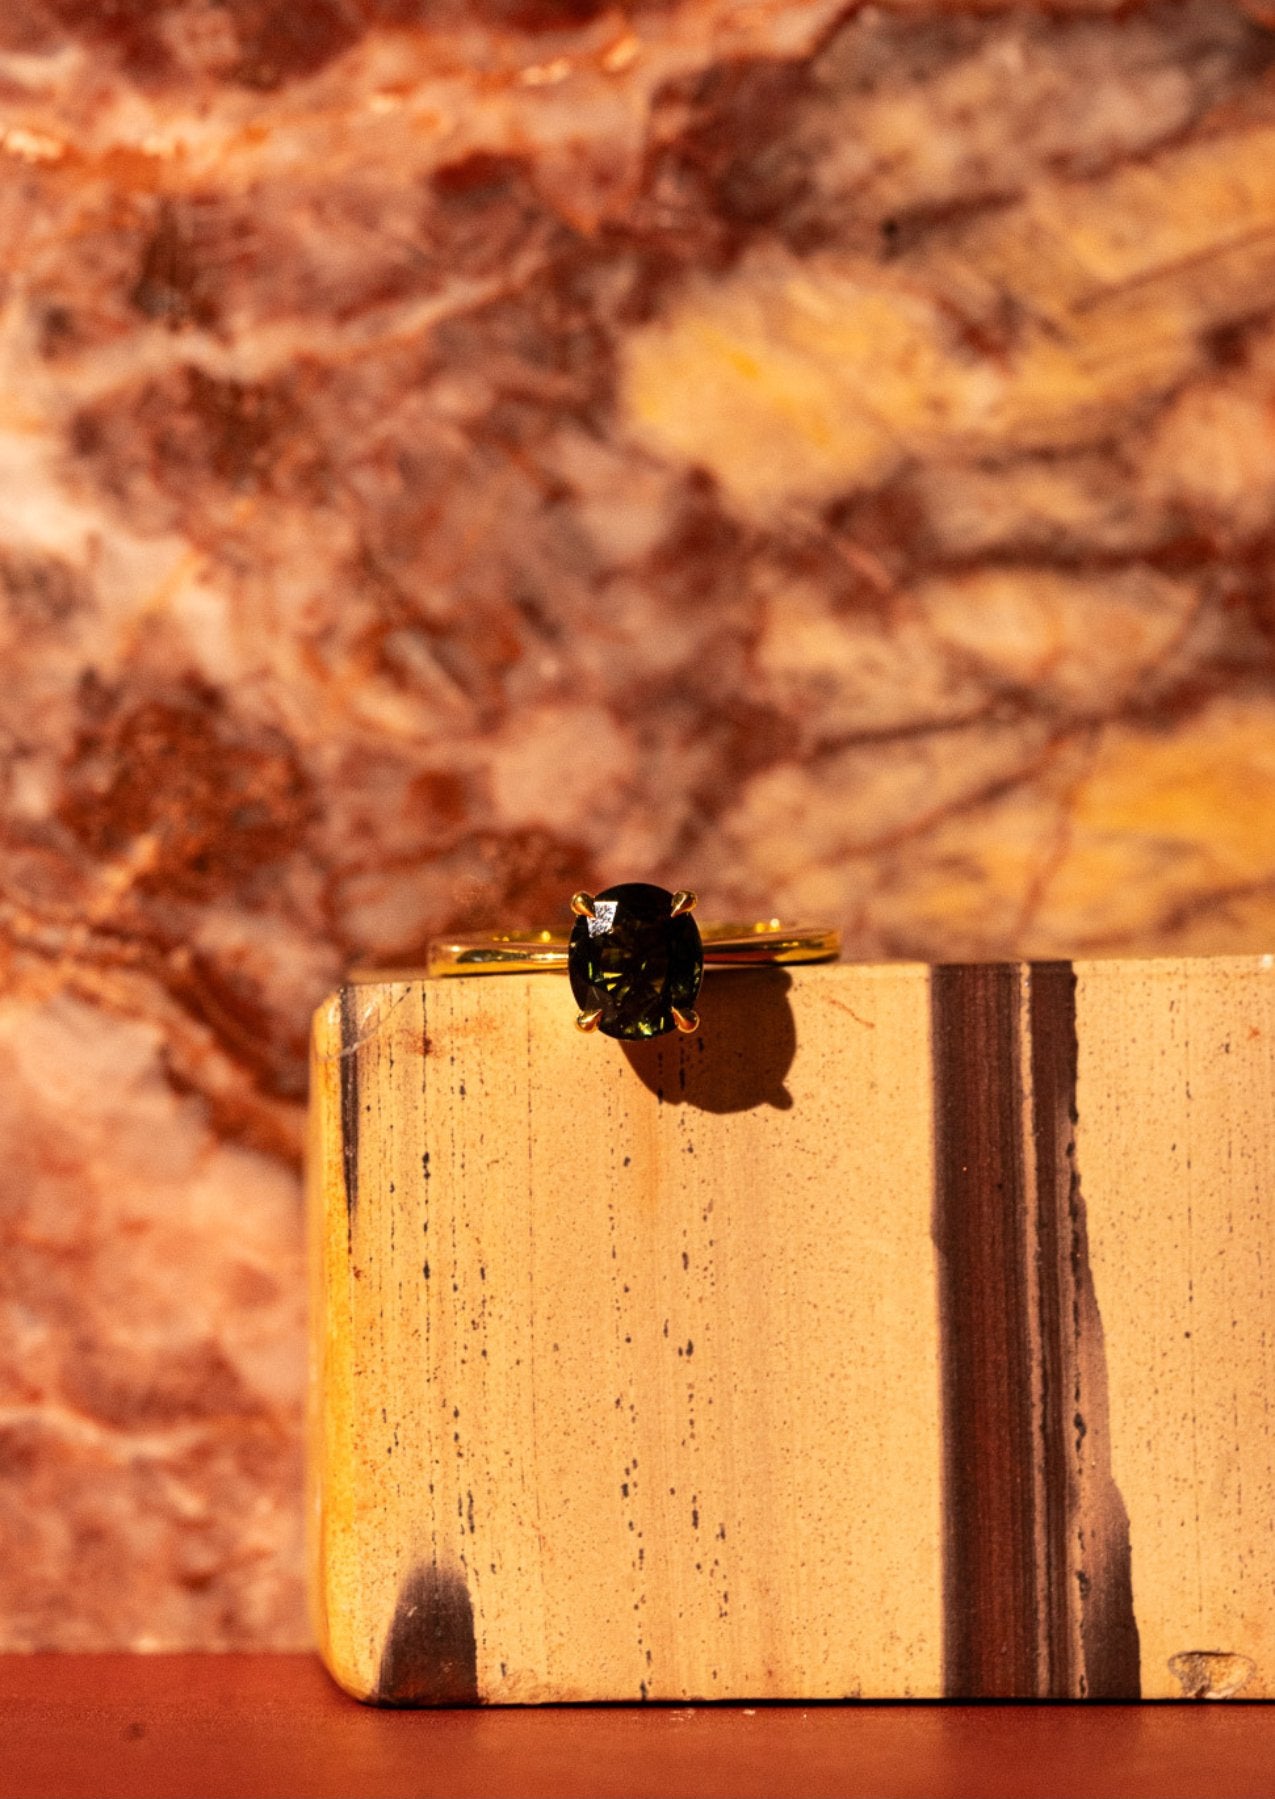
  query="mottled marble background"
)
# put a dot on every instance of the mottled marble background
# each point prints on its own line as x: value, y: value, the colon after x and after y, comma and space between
x: 453, y: 453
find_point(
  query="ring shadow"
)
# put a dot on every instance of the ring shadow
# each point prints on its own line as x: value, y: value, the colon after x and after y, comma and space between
x: 740, y: 1056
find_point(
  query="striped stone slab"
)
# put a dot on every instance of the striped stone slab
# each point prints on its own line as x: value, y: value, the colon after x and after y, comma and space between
x: 903, y: 1333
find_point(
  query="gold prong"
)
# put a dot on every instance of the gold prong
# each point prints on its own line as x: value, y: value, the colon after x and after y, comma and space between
x: 582, y: 905
x: 684, y: 901
x: 686, y: 1021
x: 589, y: 1021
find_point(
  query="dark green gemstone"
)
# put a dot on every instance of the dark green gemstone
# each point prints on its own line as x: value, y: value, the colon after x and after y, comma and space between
x: 634, y: 961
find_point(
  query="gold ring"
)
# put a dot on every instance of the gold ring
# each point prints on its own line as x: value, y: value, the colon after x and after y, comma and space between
x: 635, y: 956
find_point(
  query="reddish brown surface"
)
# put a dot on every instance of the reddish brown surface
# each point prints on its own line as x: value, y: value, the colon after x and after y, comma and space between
x: 253, y: 1724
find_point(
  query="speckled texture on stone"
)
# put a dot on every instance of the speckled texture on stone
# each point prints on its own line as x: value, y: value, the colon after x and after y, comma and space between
x: 453, y: 455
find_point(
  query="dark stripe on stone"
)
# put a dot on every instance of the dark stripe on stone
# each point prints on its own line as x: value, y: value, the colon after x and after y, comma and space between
x: 349, y: 1084
x: 1052, y: 1012
x: 989, y: 1573
x: 431, y: 1653
x: 1088, y: 1549
x: 1038, y: 1592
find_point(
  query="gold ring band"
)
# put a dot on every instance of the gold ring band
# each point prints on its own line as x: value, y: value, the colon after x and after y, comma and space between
x: 763, y: 944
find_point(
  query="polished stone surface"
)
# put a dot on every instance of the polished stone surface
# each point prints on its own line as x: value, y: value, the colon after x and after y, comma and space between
x: 453, y: 454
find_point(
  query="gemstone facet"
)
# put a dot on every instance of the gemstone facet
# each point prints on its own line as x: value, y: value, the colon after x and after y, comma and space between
x: 635, y: 961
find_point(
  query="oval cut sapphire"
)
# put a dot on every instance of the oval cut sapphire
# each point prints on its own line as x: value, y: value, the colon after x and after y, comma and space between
x: 634, y: 961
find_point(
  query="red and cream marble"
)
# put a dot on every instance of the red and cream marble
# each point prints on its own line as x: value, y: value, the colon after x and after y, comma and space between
x: 453, y: 454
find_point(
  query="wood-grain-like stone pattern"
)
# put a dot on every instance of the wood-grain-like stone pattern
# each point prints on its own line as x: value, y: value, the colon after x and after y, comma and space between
x: 636, y: 1366
x: 951, y: 1381
x: 451, y: 455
